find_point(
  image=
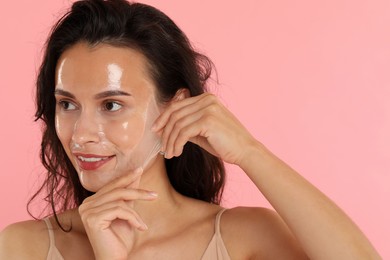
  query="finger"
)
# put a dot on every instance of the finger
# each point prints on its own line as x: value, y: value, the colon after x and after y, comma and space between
x: 203, y: 142
x: 183, y: 126
x: 172, y: 118
x: 162, y: 120
x: 102, y: 220
x: 179, y: 114
x: 108, y: 206
x: 122, y: 181
x: 196, y: 133
x: 120, y: 194
x: 134, y: 184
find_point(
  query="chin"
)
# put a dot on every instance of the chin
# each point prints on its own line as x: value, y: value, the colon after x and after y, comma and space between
x: 93, y: 181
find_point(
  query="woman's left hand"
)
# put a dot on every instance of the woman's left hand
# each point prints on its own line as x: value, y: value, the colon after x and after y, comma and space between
x: 203, y: 120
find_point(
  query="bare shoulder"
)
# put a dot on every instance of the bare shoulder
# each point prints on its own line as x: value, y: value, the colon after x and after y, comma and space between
x: 24, y: 240
x: 263, y: 234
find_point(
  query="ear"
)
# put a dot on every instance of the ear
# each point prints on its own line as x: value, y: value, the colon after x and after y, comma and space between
x: 181, y: 94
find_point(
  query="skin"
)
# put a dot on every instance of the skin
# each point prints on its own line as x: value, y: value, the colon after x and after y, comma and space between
x: 112, y: 223
x: 111, y: 122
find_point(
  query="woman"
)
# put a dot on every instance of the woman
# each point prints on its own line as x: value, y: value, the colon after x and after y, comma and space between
x: 133, y: 146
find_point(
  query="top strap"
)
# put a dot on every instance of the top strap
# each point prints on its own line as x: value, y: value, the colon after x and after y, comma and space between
x: 217, y: 221
x: 50, y: 230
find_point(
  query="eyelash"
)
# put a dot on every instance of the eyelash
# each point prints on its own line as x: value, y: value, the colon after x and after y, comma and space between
x: 64, y: 104
x: 111, y: 102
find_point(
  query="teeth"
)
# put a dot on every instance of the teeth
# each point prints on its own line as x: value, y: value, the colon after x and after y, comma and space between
x: 91, y: 159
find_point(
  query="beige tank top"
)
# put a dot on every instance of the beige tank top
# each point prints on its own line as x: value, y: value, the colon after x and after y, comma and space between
x: 216, y: 249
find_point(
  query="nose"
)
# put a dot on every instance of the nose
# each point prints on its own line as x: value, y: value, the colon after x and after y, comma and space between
x: 86, y: 129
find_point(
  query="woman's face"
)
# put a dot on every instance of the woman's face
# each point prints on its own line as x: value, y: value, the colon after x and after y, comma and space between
x: 105, y: 106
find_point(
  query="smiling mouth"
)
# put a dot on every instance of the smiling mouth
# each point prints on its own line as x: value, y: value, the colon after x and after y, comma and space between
x: 92, y: 162
x: 91, y: 159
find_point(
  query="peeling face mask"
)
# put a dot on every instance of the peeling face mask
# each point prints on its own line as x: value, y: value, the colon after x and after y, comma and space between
x: 142, y: 145
x: 104, y: 121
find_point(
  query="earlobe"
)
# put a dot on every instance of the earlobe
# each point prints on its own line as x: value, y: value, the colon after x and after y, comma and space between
x: 181, y: 94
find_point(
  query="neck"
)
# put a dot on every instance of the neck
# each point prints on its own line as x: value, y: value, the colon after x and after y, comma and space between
x: 169, y: 200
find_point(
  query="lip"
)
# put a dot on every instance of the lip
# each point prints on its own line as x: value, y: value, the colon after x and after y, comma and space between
x: 91, y: 162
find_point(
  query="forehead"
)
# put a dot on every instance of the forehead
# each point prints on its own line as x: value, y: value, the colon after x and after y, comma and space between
x: 101, y: 64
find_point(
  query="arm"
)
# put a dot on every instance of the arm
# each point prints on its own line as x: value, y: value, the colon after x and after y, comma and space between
x: 322, y: 229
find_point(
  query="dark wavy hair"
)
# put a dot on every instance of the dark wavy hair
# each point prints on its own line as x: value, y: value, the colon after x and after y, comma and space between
x: 172, y: 63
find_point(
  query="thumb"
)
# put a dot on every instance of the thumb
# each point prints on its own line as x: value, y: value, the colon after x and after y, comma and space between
x: 135, y: 183
x: 203, y: 143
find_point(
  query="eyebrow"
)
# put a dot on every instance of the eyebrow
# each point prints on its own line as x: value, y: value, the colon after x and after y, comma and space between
x: 63, y: 93
x: 110, y: 93
x: 104, y: 94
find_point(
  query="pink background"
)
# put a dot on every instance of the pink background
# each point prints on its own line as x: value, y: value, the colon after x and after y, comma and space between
x: 310, y: 79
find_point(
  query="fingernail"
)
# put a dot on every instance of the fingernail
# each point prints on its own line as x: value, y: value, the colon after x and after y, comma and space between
x: 143, y: 226
x: 168, y: 155
x: 138, y: 171
x: 152, y: 194
x: 154, y: 127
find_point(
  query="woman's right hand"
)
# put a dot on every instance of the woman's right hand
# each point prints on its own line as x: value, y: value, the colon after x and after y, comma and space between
x: 109, y: 218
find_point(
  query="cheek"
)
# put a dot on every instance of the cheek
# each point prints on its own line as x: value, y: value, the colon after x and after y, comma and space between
x: 64, y: 129
x: 126, y: 134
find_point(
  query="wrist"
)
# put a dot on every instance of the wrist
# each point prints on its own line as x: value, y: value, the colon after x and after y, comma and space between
x: 254, y: 152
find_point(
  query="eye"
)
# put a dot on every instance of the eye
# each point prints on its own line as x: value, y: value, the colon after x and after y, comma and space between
x: 112, y: 106
x: 66, y: 105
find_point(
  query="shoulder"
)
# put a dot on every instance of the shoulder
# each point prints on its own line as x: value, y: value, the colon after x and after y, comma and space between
x: 24, y: 240
x: 263, y: 234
